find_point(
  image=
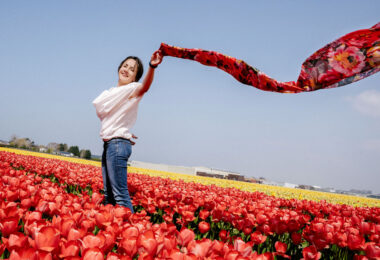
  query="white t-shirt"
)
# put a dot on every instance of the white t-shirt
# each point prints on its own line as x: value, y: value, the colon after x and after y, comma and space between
x: 116, y: 111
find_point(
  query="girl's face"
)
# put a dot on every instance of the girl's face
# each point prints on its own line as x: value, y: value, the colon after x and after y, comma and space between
x: 127, y: 72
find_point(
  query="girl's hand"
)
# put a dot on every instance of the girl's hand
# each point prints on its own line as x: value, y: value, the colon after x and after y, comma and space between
x: 156, y: 58
x: 133, y: 137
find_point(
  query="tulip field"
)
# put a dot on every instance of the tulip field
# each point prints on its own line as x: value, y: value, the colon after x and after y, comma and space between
x: 51, y: 208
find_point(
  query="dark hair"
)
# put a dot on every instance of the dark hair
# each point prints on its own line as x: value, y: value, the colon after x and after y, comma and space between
x: 140, y: 67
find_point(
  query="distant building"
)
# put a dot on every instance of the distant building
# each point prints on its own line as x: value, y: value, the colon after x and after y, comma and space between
x: 331, y: 190
x: 268, y: 182
x: 64, y: 153
x: 221, y: 174
x: 43, y: 149
x: 306, y: 187
x: 53, y: 146
x: 4, y: 143
x: 199, y: 171
x: 251, y: 180
x: 364, y: 192
x: 290, y: 185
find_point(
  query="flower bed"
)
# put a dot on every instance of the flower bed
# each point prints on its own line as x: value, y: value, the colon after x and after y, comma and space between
x: 52, y: 209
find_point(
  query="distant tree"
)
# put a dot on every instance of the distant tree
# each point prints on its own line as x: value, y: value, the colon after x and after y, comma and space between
x: 87, y: 154
x: 74, y: 150
x: 24, y: 143
x: 63, y: 147
x: 13, y: 138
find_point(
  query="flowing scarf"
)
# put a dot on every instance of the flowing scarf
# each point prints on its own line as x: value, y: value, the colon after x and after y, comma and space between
x: 343, y: 61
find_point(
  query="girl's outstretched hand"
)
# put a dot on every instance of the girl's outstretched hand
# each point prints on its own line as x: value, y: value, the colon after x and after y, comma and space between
x: 156, y: 58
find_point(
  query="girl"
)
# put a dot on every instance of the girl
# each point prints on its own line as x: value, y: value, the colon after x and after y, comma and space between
x: 117, y: 111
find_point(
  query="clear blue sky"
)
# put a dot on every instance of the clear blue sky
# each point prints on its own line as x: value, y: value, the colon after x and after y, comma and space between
x: 57, y: 56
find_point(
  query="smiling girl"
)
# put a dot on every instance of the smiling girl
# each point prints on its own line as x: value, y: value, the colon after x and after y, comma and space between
x: 117, y: 110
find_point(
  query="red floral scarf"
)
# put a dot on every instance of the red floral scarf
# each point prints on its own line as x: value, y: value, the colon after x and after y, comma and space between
x: 345, y: 60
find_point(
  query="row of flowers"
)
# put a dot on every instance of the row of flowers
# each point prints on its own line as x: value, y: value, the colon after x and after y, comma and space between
x: 281, y: 192
x: 240, y: 221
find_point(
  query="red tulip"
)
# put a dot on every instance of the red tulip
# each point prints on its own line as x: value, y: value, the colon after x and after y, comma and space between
x: 170, y: 242
x: 247, y: 230
x: 185, y: 236
x: 93, y: 254
x: 296, y: 238
x: 108, y: 240
x: 12, y: 195
x: 175, y: 254
x: 122, y: 212
x: 96, y: 197
x: 188, y: 200
x: 311, y: 253
x: 261, y: 219
x: 265, y: 256
x: 203, y: 214
x: 258, y: 238
x: 130, y: 232
x: 47, y: 239
x: 75, y: 234
x: 223, y: 235
x: 128, y: 246
x: 15, y: 241
x: 232, y: 255
x: 70, y: 248
x: 26, y: 203
x: 355, y: 242
x: 203, y: 227
x: 245, y: 249
x: 114, y: 256
x: 340, y: 239
x: 188, y: 215
x: 200, y: 248
x: 33, y: 216
x: 372, y: 250
x: 104, y: 218
x: 9, y: 210
x: 66, y: 226
x: 146, y: 242
x: 42, y: 255
x: 280, y: 247
x: 317, y: 227
x: 92, y: 241
x: 88, y: 224
x: 375, y: 238
x: 24, y: 253
x: 217, y: 247
x: 9, y: 226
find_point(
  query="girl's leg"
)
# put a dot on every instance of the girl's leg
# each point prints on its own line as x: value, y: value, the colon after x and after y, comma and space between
x: 117, y: 157
x: 108, y: 195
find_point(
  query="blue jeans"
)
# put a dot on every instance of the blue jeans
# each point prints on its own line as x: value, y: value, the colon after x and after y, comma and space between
x: 114, y: 169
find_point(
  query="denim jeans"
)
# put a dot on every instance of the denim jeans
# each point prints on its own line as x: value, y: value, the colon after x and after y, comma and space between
x: 114, y: 170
